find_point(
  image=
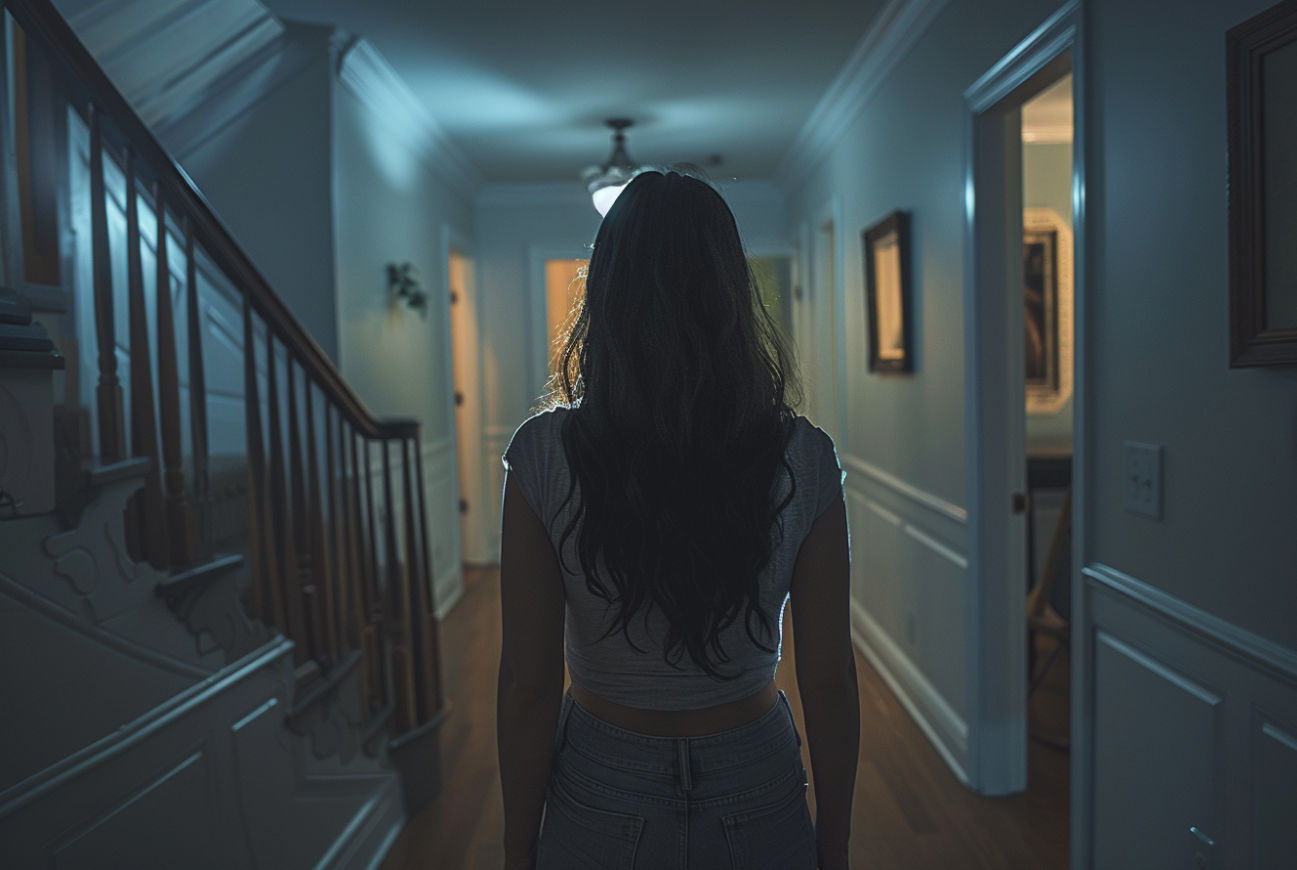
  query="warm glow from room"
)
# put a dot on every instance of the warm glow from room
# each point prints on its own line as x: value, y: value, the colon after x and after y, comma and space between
x: 564, y: 286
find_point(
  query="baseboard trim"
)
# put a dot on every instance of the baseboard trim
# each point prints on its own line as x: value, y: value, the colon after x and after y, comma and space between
x: 939, y: 722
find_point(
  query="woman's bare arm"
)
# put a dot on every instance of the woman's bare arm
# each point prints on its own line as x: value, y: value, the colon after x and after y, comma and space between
x: 826, y: 677
x: 530, y: 690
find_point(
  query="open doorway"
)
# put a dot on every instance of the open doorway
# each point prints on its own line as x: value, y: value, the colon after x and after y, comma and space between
x: 1049, y: 363
x: 1024, y: 186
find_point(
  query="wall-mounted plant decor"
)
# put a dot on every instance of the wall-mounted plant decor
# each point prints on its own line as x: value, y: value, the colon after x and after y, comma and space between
x: 1261, y: 74
x: 403, y: 287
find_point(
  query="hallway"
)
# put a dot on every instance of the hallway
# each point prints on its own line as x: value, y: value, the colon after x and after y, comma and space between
x: 910, y: 813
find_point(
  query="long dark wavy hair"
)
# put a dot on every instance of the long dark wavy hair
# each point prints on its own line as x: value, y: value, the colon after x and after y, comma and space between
x: 681, y: 390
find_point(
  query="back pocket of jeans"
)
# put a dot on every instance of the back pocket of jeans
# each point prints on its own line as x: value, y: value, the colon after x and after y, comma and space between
x: 777, y: 836
x: 579, y: 836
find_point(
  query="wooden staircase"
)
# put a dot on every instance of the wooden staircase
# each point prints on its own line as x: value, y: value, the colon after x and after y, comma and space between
x: 209, y: 659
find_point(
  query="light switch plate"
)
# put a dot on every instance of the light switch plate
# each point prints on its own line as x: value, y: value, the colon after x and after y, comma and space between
x: 1142, y: 479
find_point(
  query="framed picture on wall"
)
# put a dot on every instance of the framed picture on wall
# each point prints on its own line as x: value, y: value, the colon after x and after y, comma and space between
x: 1047, y: 309
x: 887, y: 294
x: 1261, y: 73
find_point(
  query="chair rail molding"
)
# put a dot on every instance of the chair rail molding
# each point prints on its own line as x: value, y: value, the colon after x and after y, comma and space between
x: 894, y: 32
x: 1277, y: 660
x: 948, y: 509
x: 368, y: 75
x: 1194, y: 718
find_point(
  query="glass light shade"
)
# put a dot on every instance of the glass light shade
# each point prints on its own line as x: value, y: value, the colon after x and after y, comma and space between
x: 604, y: 197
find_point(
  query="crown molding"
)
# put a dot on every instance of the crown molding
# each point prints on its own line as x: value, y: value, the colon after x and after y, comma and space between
x: 894, y: 32
x: 368, y: 75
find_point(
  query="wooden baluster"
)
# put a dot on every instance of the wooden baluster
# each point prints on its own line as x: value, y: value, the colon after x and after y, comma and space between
x: 201, y: 515
x: 432, y: 644
x: 301, y: 524
x: 321, y: 573
x: 416, y: 592
x: 349, y: 602
x: 179, y: 527
x: 152, y: 527
x: 284, y: 553
x: 357, y: 598
x: 266, y: 600
x: 336, y: 536
x: 108, y: 392
x: 377, y: 600
x: 406, y: 716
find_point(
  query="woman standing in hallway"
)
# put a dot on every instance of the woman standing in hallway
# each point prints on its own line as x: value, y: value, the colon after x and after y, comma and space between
x: 656, y: 520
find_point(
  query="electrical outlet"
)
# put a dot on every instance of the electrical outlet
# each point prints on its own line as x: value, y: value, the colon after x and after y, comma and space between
x: 1142, y: 478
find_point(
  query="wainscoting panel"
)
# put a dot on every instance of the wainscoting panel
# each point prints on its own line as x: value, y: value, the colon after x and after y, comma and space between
x: 1274, y: 793
x: 1194, y: 734
x: 908, y: 575
x: 1155, y: 728
x: 175, y: 802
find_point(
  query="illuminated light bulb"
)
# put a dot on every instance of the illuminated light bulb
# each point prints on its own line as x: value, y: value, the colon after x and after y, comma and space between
x: 604, y: 197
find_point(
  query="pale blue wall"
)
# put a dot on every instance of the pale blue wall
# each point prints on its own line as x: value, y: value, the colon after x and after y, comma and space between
x: 267, y: 175
x: 905, y: 150
x: 1160, y: 327
x: 390, y: 207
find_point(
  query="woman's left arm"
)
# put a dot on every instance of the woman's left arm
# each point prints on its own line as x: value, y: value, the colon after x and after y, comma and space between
x: 530, y: 691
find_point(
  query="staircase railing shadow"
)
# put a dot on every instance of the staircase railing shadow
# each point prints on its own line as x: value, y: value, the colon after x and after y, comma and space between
x: 336, y: 543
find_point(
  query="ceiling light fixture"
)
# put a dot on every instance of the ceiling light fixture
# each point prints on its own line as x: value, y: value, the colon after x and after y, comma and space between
x: 607, y: 181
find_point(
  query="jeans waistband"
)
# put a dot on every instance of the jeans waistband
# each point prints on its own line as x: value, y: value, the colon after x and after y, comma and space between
x: 684, y: 757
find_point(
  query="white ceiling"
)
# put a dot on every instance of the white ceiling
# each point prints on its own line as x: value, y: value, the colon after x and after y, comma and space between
x: 523, y: 88
x: 1047, y: 117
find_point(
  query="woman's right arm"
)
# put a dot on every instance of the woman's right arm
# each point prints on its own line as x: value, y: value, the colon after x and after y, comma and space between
x: 826, y: 677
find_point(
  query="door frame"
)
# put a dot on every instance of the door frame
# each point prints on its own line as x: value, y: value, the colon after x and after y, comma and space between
x: 826, y: 306
x: 995, y: 414
x: 455, y: 239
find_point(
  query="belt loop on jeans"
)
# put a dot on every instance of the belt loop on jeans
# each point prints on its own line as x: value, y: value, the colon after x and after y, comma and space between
x: 560, y: 738
x: 682, y: 750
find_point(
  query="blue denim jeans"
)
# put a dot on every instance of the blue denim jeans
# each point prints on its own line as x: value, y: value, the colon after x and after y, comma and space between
x: 619, y: 800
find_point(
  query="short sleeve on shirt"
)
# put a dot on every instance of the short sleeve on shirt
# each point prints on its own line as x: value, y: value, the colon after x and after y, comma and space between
x: 828, y: 472
x: 527, y: 460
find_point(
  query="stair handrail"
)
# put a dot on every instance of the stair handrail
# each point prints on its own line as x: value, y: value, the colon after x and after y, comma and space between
x: 42, y: 18
x: 388, y: 614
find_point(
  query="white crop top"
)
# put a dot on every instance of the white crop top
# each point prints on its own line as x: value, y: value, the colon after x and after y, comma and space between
x: 609, y: 667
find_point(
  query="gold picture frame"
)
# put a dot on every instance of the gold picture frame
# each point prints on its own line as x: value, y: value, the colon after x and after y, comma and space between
x: 1049, y: 311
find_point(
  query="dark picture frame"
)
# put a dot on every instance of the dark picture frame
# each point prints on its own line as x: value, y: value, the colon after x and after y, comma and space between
x: 888, y: 308
x: 1261, y: 80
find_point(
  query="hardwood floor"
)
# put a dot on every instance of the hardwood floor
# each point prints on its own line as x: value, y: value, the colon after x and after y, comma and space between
x: 909, y: 812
